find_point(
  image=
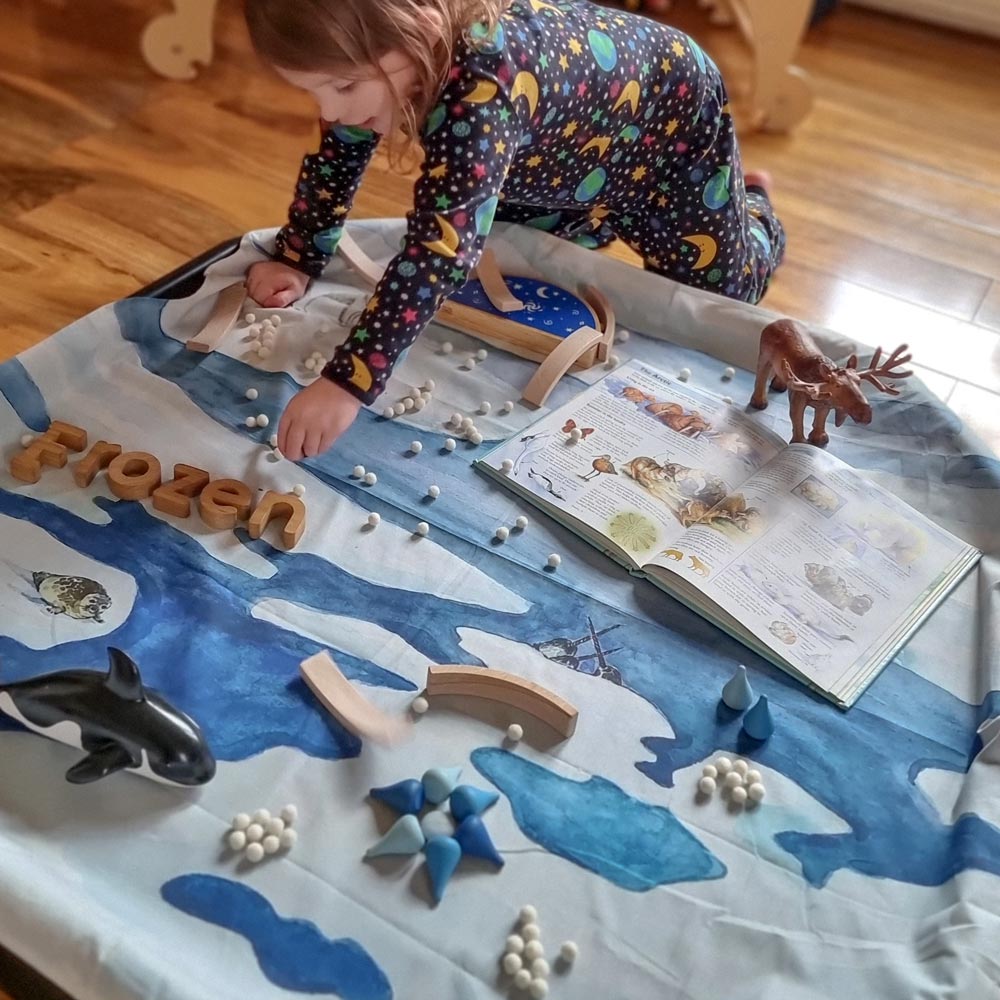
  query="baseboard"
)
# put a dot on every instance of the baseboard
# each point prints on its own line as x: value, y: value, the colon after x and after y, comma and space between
x: 978, y: 16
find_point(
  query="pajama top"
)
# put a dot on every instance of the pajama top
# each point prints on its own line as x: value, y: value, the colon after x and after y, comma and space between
x: 583, y: 121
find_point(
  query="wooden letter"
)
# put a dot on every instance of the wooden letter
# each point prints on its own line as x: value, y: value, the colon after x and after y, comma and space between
x: 51, y: 449
x: 134, y: 475
x: 224, y: 502
x: 175, y: 497
x: 280, y: 505
x: 99, y: 457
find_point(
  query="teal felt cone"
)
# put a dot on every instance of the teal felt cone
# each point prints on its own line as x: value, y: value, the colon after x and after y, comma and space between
x: 443, y: 855
x: 404, y: 796
x: 757, y: 723
x: 737, y: 693
x: 467, y: 800
x: 475, y: 840
x: 403, y: 837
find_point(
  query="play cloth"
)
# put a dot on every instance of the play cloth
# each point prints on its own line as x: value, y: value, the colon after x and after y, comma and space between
x: 871, y: 868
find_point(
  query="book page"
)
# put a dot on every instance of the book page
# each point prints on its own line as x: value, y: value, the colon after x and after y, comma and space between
x: 819, y: 563
x: 653, y: 454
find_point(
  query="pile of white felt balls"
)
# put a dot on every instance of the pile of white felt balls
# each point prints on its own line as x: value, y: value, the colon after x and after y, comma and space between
x: 263, y: 334
x: 524, y: 955
x: 262, y: 833
x: 735, y: 777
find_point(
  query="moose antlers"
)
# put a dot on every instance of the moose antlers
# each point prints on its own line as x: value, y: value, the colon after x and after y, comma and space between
x: 874, y: 369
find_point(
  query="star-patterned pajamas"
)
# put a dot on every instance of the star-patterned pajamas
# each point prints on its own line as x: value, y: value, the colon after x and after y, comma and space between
x: 569, y: 117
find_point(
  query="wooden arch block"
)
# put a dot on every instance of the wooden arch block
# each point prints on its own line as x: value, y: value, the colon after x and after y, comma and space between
x: 558, y: 363
x: 285, y: 505
x: 134, y: 475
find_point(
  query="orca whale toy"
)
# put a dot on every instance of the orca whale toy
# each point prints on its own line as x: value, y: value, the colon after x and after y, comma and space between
x: 118, y: 722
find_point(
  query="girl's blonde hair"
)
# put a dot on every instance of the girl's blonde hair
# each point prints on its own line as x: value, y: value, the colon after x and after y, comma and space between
x: 318, y: 35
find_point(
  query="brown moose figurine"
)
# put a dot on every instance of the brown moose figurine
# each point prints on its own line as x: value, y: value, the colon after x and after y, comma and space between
x: 790, y: 355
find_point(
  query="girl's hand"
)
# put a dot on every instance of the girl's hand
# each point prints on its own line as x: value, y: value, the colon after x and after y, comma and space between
x: 275, y: 285
x: 315, y: 418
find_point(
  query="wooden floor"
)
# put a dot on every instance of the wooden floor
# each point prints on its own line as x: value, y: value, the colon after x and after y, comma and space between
x: 890, y: 191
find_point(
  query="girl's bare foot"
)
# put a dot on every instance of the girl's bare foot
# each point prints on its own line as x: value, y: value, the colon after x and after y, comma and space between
x: 758, y: 178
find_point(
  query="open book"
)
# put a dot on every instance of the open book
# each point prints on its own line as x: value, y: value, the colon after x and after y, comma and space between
x: 784, y: 546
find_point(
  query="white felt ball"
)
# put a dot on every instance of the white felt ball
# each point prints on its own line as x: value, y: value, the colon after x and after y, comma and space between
x: 502, y: 533
x: 756, y: 791
x: 515, y: 944
x: 533, y: 950
x: 515, y: 734
x: 522, y: 979
x: 423, y: 528
x: 388, y: 413
x: 241, y: 821
x: 416, y: 447
x: 271, y: 845
x: 434, y: 492
x: 507, y: 406
x: 273, y: 440
x: 554, y: 559
x: 255, y: 853
x: 470, y: 361
x: 310, y: 364
x: 741, y: 767
x: 419, y: 404
x: 467, y: 423
x: 288, y: 839
x: 370, y: 479
x: 420, y: 705
x: 449, y: 444
x: 267, y: 338
x: 250, y: 318
x: 727, y: 399
x: 753, y: 777
x: 26, y: 440
x: 254, y: 832
x: 485, y: 407
x: 622, y: 335
x: 299, y: 490
x: 289, y: 814
x: 358, y: 472
x: 528, y: 914
x: 728, y: 372
x: 407, y: 404
x: 316, y: 355
x: 684, y: 374
x: 430, y: 385
x: 237, y: 840
x: 739, y: 795
x: 512, y: 963
x: 374, y: 519
x: 521, y: 522
x: 733, y: 779
x: 456, y: 419
x: 706, y: 785
x: 276, y: 319
x: 575, y: 434
x: 569, y: 951
x: 446, y: 347
x: 251, y: 421
x: 476, y: 438
x: 710, y: 771
x: 251, y: 394
x: 399, y: 409
x: 540, y: 968
x: 507, y: 465
x: 264, y: 352
x: 261, y: 816
x: 263, y: 420
x: 531, y: 931
x: 274, y: 826
x: 481, y: 354
x: 723, y: 765
x: 539, y: 988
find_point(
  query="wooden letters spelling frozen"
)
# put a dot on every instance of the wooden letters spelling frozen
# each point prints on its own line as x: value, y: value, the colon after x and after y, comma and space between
x: 137, y: 475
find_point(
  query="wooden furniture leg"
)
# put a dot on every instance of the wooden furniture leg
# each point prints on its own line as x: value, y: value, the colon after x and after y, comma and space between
x: 173, y: 43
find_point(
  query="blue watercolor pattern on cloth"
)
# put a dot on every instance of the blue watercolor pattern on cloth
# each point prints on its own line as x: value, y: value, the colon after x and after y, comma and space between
x: 207, y: 626
x: 22, y: 393
x: 598, y: 826
x: 293, y: 954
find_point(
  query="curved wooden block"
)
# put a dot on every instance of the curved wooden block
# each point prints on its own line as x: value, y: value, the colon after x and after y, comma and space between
x: 279, y: 505
x: 605, y: 313
x: 498, y: 685
x: 134, y: 475
x: 558, y: 363
x: 488, y: 273
x: 226, y: 312
x: 342, y: 700
x: 224, y: 502
x: 359, y: 261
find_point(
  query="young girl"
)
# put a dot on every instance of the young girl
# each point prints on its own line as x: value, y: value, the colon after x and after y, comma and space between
x: 587, y: 122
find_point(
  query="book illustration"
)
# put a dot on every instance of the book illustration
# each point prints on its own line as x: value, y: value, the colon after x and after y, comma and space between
x: 832, y: 587
x: 737, y: 445
x: 789, y: 602
x: 567, y: 653
x: 633, y: 531
x: 819, y: 496
x: 668, y: 412
x: 74, y: 596
x: 674, y: 554
x: 571, y: 426
x: 878, y: 532
x: 783, y: 632
x: 696, y: 564
x: 728, y: 516
x: 602, y: 463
